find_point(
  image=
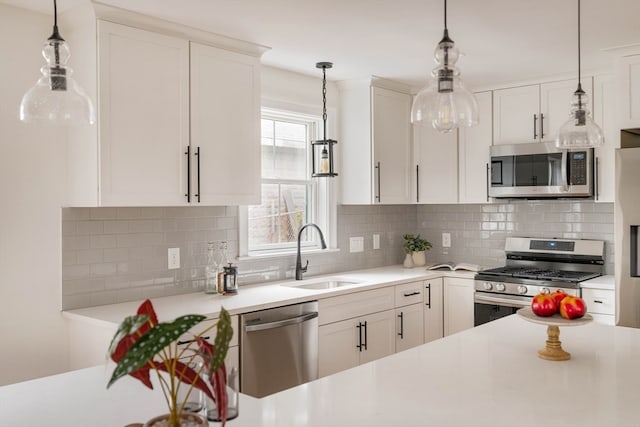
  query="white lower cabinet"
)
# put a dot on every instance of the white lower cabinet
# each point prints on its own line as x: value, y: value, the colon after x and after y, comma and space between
x: 601, y: 304
x: 343, y: 345
x: 409, y: 326
x: 458, y: 304
x: 433, y: 310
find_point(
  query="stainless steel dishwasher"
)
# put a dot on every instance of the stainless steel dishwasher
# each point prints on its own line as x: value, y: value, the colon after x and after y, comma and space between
x: 278, y: 348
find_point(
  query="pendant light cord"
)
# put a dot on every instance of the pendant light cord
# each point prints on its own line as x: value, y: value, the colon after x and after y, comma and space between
x: 579, y: 55
x: 324, y: 100
x: 445, y: 15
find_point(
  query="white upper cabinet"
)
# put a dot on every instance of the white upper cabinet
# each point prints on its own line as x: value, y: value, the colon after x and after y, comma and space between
x: 375, y: 135
x: 143, y: 116
x: 473, y: 145
x: 629, y: 75
x: 436, y: 171
x: 605, y: 117
x: 516, y: 112
x: 534, y: 113
x: 176, y: 119
x: 225, y: 132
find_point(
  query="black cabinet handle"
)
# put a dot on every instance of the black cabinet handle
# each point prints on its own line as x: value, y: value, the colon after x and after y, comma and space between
x: 541, y: 126
x: 365, y: 335
x: 401, y: 333
x: 596, y: 184
x: 597, y: 301
x: 486, y: 179
x: 379, y: 182
x: 535, y: 126
x: 411, y: 294
x: 198, y: 173
x: 359, y: 346
x: 417, y: 183
x: 188, y: 154
x: 428, y: 288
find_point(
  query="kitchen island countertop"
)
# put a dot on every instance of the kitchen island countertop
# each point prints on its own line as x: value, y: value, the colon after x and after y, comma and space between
x: 486, y: 376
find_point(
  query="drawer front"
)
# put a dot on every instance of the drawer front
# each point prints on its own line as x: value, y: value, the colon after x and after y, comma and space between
x: 353, y: 305
x: 599, y: 301
x: 409, y: 293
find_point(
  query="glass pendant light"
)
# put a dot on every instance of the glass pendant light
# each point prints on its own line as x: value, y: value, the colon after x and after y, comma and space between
x: 445, y: 103
x: 56, y: 98
x: 322, y: 149
x: 580, y: 131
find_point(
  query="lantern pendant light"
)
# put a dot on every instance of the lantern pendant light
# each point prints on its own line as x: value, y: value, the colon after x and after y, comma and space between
x: 56, y: 98
x: 580, y: 131
x: 445, y: 103
x: 322, y: 149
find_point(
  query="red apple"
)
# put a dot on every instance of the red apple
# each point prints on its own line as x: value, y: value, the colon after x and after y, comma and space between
x: 544, y: 305
x: 572, y: 307
x: 558, y: 295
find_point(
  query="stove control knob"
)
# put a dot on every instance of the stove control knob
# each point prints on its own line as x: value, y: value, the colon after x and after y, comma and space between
x: 501, y: 287
x: 522, y: 289
x: 488, y: 286
x: 545, y: 291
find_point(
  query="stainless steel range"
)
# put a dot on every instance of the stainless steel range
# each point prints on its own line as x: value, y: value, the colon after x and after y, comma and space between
x: 535, y: 266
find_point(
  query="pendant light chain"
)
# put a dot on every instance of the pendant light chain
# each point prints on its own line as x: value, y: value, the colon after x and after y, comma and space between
x: 445, y: 15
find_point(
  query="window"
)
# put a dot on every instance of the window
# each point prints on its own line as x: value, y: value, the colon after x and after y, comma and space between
x: 290, y: 197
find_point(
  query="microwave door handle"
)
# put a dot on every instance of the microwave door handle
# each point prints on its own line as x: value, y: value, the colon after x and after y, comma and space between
x: 563, y: 171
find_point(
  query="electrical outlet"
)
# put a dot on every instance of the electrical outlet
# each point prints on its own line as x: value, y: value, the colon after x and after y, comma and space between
x: 376, y: 241
x: 174, y: 258
x: 356, y: 244
x: 446, y: 240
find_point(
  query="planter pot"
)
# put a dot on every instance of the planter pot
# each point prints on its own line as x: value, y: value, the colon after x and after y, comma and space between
x: 408, y: 261
x: 186, y: 420
x: 419, y: 259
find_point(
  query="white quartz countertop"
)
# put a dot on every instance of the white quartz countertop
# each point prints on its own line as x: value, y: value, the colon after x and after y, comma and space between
x: 607, y: 282
x: 486, y: 376
x: 258, y: 297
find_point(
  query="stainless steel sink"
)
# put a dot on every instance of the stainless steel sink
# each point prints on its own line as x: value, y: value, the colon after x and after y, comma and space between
x: 329, y: 283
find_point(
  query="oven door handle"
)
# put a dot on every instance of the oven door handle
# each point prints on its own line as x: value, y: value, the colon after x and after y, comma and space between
x: 501, y: 301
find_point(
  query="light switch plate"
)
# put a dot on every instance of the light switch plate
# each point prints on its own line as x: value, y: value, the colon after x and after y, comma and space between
x: 446, y: 240
x: 174, y: 258
x: 356, y: 244
x: 376, y: 241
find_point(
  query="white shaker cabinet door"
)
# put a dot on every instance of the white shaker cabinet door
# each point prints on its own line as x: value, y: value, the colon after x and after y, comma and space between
x: 337, y: 349
x: 629, y: 78
x: 516, y: 115
x: 433, y: 310
x: 390, y: 112
x: 436, y: 158
x: 409, y: 326
x: 555, y: 104
x: 458, y: 305
x: 144, y: 116
x: 474, y: 145
x: 225, y: 127
x: 379, y: 336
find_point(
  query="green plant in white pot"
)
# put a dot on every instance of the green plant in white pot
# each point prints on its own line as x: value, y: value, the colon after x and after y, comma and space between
x: 416, y: 246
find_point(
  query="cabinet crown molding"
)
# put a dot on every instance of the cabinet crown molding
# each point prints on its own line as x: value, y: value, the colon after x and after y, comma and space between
x: 127, y: 17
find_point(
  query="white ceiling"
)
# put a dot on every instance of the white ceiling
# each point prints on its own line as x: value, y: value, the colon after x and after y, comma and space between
x: 503, y: 40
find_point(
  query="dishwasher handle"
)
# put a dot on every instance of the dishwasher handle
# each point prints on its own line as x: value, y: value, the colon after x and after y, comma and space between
x: 280, y: 323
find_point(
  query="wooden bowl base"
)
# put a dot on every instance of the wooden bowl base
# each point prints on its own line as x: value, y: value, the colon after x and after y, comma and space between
x: 553, y: 350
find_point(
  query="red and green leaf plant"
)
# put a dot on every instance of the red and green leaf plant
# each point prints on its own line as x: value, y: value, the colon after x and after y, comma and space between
x: 142, y: 344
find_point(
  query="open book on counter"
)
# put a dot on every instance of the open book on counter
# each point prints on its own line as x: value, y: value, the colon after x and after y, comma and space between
x: 454, y: 266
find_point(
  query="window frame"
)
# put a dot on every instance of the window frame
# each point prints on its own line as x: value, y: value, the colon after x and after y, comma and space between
x: 324, y: 213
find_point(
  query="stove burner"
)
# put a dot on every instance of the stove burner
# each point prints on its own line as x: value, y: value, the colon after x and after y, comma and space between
x: 540, y: 274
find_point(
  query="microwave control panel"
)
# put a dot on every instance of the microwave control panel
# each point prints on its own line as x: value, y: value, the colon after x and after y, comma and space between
x: 578, y: 167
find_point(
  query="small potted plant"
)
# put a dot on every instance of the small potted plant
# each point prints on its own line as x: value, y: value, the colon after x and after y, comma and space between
x: 142, y: 344
x: 416, y: 247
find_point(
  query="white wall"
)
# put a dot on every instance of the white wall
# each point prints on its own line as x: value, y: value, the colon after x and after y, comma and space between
x: 32, y: 331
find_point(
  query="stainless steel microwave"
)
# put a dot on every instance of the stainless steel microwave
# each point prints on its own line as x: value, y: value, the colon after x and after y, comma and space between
x: 540, y: 170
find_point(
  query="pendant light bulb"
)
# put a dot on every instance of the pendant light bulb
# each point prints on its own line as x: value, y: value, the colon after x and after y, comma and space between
x: 56, y: 97
x: 580, y: 130
x: 445, y: 103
